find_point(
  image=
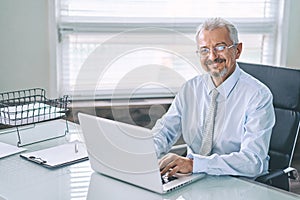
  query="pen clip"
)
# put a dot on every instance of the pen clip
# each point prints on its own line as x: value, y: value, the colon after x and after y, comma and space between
x: 37, y: 159
x: 76, y: 147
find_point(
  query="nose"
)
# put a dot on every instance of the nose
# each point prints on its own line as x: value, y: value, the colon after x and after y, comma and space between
x: 212, y: 55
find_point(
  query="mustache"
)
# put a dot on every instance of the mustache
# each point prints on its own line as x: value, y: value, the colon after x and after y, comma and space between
x: 217, y: 60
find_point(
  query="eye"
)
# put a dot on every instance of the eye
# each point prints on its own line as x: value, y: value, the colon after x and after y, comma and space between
x: 220, y: 48
x: 204, y: 51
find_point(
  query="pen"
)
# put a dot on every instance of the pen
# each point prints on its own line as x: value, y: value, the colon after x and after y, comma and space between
x: 76, y: 147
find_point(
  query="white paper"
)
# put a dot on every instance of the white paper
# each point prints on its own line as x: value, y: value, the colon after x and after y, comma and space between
x: 59, y: 155
x: 7, y: 149
x: 30, y: 110
x: 26, y: 114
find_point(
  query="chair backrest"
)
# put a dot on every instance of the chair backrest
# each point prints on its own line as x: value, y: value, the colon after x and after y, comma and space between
x: 284, y: 84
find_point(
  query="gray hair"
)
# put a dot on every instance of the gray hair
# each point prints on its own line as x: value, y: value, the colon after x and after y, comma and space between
x: 214, y: 23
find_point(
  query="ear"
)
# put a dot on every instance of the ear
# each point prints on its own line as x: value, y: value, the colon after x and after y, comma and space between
x: 238, y: 50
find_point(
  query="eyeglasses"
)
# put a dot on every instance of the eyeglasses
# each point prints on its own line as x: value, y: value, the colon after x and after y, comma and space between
x: 204, y: 51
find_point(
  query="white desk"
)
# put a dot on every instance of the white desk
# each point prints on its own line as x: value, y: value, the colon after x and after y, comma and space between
x: 21, y: 179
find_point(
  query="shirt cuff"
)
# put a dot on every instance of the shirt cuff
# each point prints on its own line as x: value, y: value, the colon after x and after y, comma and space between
x: 200, y: 163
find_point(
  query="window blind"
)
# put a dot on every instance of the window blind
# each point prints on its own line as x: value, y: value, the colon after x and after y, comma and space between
x: 131, y: 49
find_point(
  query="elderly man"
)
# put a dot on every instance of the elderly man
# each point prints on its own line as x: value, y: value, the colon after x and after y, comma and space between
x: 225, y: 116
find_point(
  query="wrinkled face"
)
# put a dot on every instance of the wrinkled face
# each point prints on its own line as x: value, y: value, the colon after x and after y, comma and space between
x: 217, y: 59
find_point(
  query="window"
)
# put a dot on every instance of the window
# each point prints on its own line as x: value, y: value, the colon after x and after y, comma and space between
x: 130, y: 49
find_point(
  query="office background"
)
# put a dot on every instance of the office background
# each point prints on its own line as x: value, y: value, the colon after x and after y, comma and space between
x: 27, y: 58
x: 27, y: 41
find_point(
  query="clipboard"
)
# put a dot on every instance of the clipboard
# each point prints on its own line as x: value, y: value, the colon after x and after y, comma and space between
x: 58, y: 156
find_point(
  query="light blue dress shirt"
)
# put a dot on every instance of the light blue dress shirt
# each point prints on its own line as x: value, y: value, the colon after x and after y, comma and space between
x: 243, y: 125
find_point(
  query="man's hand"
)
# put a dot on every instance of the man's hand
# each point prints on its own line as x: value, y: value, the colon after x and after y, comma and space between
x: 173, y: 163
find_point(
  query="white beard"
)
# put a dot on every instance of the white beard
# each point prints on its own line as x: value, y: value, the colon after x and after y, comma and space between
x: 219, y: 74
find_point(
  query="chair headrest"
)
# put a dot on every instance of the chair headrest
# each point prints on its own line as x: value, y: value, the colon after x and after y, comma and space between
x: 284, y: 83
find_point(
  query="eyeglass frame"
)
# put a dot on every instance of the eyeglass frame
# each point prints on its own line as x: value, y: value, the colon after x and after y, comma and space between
x: 198, y: 52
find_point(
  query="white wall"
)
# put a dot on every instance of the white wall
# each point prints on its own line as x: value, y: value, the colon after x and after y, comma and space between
x: 24, y: 44
x: 25, y: 60
x: 293, y: 42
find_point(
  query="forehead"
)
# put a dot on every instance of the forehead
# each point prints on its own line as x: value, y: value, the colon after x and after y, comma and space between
x: 213, y: 37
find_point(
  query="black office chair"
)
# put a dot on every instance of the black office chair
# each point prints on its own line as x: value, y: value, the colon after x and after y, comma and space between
x: 285, y: 86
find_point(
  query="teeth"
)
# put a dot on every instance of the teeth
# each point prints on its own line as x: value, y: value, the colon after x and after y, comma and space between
x: 214, y: 65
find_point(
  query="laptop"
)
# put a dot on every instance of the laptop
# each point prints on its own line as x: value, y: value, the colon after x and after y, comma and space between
x: 127, y: 153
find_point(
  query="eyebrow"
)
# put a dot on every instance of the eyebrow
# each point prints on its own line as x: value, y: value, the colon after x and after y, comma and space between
x: 215, y: 45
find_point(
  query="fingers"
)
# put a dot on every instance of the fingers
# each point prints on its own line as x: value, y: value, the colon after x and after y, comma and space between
x: 174, y: 171
x: 173, y: 163
x: 164, y: 161
x: 168, y: 168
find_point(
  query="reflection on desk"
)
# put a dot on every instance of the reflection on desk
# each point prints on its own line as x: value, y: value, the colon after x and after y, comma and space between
x: 209, y: 188
x: 20, y: 179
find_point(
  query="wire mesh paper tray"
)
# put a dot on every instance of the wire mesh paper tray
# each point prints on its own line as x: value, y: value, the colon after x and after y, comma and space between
x: 28, y: 107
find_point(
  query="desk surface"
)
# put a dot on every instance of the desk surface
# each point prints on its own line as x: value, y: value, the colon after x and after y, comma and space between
x: 21, y: 179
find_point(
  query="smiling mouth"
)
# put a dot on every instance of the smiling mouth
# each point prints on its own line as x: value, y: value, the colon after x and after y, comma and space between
x: 216, y: 61
x: 213, y: 68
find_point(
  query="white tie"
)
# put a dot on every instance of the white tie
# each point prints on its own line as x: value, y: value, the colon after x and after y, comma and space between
x: 208, y: 131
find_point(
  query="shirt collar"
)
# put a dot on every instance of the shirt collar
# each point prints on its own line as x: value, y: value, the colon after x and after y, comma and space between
x: 226, y: 87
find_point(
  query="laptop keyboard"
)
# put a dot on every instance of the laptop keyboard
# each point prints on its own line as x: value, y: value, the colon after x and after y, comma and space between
x: 166, y: 179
